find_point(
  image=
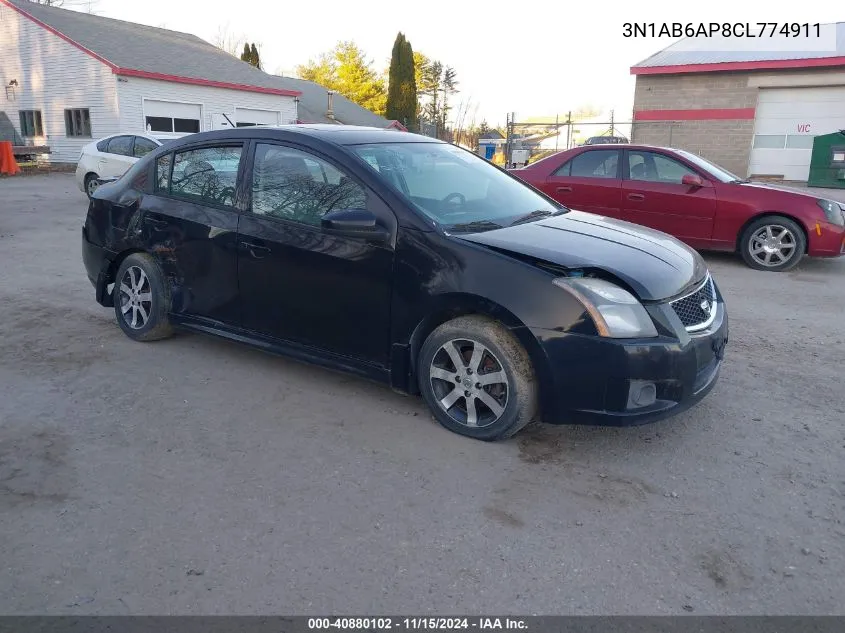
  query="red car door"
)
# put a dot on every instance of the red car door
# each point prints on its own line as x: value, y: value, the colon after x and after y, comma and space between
x: 589, y: 181
x: 654, y: 195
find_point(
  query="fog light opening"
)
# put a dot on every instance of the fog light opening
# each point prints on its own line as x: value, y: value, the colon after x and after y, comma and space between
x: 641, y: 394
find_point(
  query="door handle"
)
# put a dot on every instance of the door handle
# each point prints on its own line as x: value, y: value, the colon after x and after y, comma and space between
x: 159, y: 224
x: 256, y: 250
x: 636, y: 196
x: 563, y: 189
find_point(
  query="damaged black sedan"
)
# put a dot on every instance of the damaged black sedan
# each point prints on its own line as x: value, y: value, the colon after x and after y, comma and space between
x: 412, y: 262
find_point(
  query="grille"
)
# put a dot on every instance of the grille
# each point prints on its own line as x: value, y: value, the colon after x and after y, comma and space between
x: 693, y: 310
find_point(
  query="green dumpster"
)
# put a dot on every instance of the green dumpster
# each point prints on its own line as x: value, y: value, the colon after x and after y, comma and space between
x: 827, y: 165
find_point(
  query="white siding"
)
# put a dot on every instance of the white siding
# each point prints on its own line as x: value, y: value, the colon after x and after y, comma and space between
x: 53, y: 75
x: 214, y: 101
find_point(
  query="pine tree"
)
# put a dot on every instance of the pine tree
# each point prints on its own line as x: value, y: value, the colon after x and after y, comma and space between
x: 255, y: 59
x: 246, y: 55
x: 346, y: 70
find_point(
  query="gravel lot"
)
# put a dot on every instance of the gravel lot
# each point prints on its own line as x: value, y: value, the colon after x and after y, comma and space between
x: 197, y: 476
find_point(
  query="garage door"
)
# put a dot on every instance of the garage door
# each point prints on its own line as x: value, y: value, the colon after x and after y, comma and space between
x: 248, y: 116
x: 786, y: 121
x: 172, y: 116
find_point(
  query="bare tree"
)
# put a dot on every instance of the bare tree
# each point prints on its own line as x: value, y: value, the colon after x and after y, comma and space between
x: 227, y: 41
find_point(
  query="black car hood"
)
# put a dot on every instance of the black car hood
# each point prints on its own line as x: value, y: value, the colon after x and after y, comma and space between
x: 653, y: 264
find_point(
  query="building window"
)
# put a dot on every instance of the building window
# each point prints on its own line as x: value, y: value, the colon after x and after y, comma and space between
x: 800, y: 141
x: 769, y: 141
x: 168, y: 124
x: 191, y: 126
x: 78, y: 122
x: 31, y: 123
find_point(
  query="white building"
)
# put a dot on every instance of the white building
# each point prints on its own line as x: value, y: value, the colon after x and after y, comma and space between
x: 69, y: 77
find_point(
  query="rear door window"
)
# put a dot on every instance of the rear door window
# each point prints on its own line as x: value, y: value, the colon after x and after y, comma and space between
x: 121, y: 145
x: 143, y: 146
x: 600, y: 163
x: 207, y: 175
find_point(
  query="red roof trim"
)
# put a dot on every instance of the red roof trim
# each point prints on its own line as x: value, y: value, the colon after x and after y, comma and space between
x: 58, y: 33
x: 129, y: 72
x: 772, y: 64
x: 143, y: 74
x: 714, y: 114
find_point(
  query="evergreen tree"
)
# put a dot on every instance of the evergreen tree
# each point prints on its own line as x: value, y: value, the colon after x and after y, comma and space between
x: 255, y: 59
x: 394, y: 81
x: 402, y: 84
x: 246, y: 55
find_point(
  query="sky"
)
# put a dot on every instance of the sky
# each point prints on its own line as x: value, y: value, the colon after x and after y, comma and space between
x: 533, y: 58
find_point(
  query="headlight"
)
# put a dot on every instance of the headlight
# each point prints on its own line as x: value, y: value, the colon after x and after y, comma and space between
x: 616, y: 312
x: 833, y: 211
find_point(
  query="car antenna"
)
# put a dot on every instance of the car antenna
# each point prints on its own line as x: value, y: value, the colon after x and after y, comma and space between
x: 226, y: 116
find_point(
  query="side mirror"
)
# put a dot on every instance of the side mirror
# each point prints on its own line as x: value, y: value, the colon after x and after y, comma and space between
x: 354, y: 223
x: 692, y: 180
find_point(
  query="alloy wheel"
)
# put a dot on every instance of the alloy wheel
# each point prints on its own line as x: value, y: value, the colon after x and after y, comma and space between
x: 136, y: 299
x: 772, y: 245
x: 469, y: 383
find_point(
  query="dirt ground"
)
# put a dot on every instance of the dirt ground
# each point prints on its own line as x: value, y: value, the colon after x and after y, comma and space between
x: 196, y: 476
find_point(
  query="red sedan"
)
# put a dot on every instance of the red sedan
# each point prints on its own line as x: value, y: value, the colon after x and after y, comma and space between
x: 698, y: 202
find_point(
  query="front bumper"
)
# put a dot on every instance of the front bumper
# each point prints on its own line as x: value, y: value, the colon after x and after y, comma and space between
x: 592, y: 379
x: 826, y: 240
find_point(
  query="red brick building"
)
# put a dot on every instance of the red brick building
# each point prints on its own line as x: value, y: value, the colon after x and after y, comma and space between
x: 753, y: 111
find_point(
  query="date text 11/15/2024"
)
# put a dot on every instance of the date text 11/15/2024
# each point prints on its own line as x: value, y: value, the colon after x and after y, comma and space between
x: 722, y: 29
x: 417, y: 624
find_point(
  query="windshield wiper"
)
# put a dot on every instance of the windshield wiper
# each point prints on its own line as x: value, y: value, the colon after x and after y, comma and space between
x: 536, y: 215
x: 739, y: 181
x: 478, y: 225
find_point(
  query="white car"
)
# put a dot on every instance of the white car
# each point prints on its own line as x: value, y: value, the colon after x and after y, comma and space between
x: 112, y: 156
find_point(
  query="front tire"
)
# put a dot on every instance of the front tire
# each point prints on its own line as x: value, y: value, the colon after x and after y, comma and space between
x: 477, y: 379
x: 774, y: 243
x: 142, y: 299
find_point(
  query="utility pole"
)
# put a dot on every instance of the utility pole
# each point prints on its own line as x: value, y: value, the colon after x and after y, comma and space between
x: 568, y: 129
x: 557, y: 131
x: 612, y: 127
x: 507, y: 136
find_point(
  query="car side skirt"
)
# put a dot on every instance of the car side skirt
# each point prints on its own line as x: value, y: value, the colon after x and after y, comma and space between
x: 279, y: 347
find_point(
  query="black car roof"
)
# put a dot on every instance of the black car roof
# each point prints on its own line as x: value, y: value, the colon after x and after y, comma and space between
x: 335, y: 134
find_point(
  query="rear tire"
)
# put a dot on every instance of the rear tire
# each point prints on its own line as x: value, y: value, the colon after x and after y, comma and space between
x: 91, y: 184
x: 773, y: 243
x: 142, y: 299
x: 477, y: 379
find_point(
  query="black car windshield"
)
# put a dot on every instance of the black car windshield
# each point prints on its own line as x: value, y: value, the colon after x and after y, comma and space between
x: 717, y: 172
x: 455, y: 188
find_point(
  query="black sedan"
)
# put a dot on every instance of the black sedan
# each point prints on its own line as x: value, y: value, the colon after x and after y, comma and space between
x: 412, y: 262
